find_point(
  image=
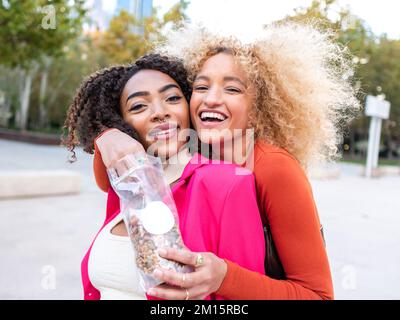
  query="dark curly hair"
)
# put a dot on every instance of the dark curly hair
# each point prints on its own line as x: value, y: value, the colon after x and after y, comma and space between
x: 96, y: 106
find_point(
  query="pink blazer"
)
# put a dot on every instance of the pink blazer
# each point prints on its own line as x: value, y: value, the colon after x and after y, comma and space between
x: 217, y: 213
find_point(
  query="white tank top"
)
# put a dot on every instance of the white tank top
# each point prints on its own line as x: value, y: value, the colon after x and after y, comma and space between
x: 112, y: 266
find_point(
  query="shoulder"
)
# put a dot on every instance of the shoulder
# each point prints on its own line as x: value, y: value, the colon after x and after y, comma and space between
x: 282, y: 185
x: 266, y: 152
x: 219, y: 176
x: 272, y: 164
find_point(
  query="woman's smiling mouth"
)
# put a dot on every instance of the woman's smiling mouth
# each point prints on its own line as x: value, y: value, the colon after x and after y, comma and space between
x: 212, y: 118
x: 163, y: 132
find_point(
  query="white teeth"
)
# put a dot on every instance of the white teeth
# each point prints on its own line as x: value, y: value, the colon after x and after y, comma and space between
x: 213, y: 115
x: 164, y: 132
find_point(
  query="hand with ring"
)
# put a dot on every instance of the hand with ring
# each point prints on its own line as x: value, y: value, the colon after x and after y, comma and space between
x: 209, y: 273
x: 199, y: 260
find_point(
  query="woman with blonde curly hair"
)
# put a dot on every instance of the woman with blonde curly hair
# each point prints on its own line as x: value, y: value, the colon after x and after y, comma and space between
x: 293, y: 87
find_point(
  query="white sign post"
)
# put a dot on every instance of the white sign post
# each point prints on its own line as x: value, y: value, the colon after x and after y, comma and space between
x: 377, y: 109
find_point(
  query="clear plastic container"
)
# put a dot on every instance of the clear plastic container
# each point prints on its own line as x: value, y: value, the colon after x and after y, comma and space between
x: 149, y: 214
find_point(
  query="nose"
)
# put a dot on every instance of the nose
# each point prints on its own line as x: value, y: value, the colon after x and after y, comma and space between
x: 213, y: 98
x: 160, y: 112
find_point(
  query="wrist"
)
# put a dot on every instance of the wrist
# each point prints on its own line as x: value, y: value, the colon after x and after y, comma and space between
x: 96, y: 140
x: 104, y: 132
x: 223, y: 269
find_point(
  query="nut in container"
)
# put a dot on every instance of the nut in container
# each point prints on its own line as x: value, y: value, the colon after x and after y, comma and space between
x: 149, y: 213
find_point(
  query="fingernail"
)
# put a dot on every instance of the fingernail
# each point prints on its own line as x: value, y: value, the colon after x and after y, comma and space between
x: 157, y: 273
x: 162, y: 252
x: 151, y: 292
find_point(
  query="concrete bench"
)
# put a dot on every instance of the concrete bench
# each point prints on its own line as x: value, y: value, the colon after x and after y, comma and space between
x: 390, y: 170
x: 383, y: 171
x: 325, y: 172
x: 29, y: 183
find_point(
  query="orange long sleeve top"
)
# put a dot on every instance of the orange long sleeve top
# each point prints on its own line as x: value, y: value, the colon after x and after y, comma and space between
x: 285, y: 197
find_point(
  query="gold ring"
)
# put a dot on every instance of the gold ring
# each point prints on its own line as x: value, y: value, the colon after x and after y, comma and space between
x: 187, y: 294
x: 199, y: 260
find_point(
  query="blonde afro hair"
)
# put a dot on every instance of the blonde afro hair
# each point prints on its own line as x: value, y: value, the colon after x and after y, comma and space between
x: 302, y: 79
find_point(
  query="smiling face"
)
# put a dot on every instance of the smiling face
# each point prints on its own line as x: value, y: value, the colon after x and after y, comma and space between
x: 154, y: 105
x: 221, y: 100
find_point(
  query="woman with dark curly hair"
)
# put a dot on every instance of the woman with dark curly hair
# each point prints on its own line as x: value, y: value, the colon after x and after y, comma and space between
x: 218, y: 213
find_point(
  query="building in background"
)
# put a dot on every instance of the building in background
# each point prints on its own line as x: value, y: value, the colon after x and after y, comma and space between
x: 99, y: 18
x: 102, y: 11
x: 127, y: 5
x: 143, y: 9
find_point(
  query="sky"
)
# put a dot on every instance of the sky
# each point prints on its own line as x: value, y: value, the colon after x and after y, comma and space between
x: 245, y: 18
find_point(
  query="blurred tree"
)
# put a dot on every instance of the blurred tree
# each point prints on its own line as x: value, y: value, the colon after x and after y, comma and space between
x: 317, y: 11
x: 32, y: 32
x: 176, y: 14
x: 128, y: 38
x: 376, y: 58
x: 90, y: 52
x: 119, y: 43
x: 67, y: 71
x: 384, y: 79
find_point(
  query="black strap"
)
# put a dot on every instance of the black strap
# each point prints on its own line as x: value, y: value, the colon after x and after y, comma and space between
x: 273, y: 265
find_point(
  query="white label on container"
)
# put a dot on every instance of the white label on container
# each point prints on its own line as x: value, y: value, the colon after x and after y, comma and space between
x: 157, y: 218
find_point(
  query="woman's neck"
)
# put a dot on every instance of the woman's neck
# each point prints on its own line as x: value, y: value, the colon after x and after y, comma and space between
x: 237, y: 150
x: 174, y: 165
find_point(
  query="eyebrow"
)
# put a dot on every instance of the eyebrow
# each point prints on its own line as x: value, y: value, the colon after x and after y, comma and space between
x: 146, y: 93
x: 202, y: 78
x: 234, y: 79
x: 228, y: 78
x: 138, y: 94
x: 168, y: 86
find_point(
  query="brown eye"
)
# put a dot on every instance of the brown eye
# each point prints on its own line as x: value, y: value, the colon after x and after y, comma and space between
x: 200, y: 88
x: 233, y: 90
x: 174, y: 99
x: 137, y: 107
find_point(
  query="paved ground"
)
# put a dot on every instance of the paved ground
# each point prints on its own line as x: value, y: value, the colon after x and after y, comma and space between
x: 42, y: 240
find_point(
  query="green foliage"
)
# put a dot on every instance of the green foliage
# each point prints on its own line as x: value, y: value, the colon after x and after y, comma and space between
x: 119, y: 43
x: 377, y: 60
x: 31, y: 29
x: 67, y: 72
x: 177, y: 13
x: 128, y: 38
x: 26, y: 36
